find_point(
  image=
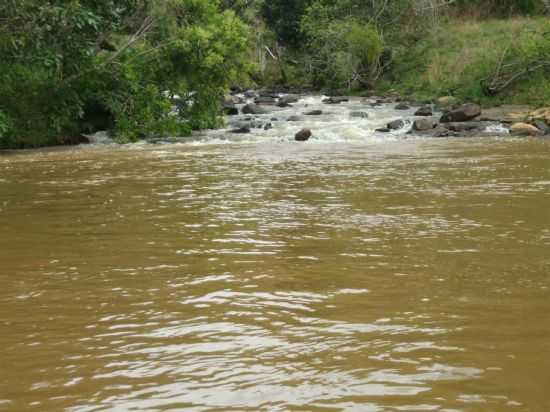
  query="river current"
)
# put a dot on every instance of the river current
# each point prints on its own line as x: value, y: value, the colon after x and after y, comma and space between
x: 354, y: 272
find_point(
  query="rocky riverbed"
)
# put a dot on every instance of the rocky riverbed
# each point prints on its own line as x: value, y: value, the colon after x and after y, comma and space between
x: 269, y: 113
x: 282, y: 115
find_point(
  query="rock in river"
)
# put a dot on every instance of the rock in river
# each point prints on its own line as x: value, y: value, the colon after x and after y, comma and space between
x: 314, y: 113
x: 424, y: 124
x: 360, y: 115
x: 466, y: 126
x: 525, y: 129
x: 463, y: 113
x: 402, y: 106
x: 241, y: 130
x: 424, y: 111
x: 294, y: 119
x: 287, y: 100
x: 396, y: 125
x: 253, y: 109
x: 335, y: 100
x: 265, y: 100
x: 541, y: 115
x: 303, y: 135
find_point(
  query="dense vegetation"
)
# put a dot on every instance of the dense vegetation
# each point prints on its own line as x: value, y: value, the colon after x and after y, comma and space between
x: 143, y: 68
x: 74, y: 66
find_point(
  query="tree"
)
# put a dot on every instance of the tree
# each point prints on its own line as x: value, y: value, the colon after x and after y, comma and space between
x: 125, y: 59
x: 284, y: 18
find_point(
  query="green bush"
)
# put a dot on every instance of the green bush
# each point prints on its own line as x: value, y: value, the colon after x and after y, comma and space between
x: 342, y: 52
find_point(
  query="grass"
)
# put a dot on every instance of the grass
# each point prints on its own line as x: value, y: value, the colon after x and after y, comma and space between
x: 455, y: 57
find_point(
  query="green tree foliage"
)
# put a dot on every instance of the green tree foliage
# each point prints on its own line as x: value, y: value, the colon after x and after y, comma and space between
x: 65, y: 62
x: 284, y: 18
x: 344, y: 42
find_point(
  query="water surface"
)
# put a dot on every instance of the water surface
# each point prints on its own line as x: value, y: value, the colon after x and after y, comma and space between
x: 376, y: 275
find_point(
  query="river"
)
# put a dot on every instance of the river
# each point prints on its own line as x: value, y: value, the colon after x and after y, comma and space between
x: 354, y: 272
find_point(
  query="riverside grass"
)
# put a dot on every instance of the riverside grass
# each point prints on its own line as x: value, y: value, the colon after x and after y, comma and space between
x: 455, y: 58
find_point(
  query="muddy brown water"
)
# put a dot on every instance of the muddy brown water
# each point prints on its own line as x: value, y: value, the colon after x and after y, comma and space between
x: 406, y: 275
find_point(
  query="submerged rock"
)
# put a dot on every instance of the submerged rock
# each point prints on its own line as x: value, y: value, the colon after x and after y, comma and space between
x: 402, y: 106
x: 463, y: 113
x: 303, y: 135
x: 383, y: 130
x: 314, y: 113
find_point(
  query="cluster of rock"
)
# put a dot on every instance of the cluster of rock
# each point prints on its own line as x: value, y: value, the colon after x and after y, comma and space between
x: 443, y: 118
x: 470, y: 120
x: 261, y: 98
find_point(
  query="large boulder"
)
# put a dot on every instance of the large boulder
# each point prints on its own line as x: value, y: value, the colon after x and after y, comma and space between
x: 424, y: 111
x: 463, y: 113
x: 303, y: 135
x: 253, y: 109
x: 421, y: 125
x: 525, y: 129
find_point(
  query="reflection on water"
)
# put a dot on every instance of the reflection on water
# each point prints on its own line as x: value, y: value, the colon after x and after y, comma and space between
x: 403, y: 276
